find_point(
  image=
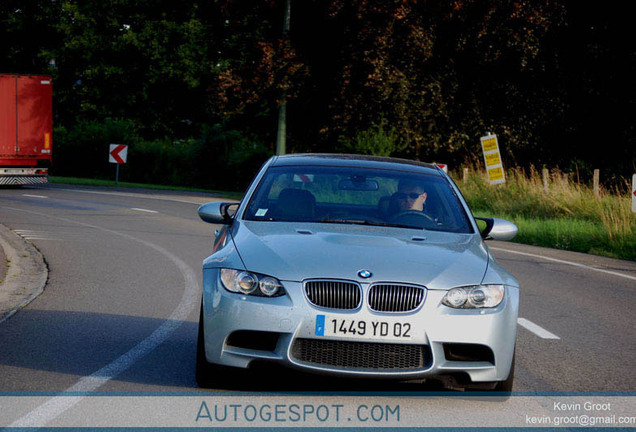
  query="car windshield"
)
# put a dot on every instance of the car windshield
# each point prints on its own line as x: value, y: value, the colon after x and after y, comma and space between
x: 342, y: 195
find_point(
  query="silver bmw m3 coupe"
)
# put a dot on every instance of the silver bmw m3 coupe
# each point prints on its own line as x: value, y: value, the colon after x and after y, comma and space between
x: 357, y: 266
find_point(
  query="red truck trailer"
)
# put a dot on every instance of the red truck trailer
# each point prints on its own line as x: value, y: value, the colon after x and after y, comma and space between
x: 26, y: 123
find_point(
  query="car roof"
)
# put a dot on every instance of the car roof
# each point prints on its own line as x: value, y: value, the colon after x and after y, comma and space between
x: 349, y: 160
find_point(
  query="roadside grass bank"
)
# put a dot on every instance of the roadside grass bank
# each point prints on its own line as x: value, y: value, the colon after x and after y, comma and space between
x: 568, y: 216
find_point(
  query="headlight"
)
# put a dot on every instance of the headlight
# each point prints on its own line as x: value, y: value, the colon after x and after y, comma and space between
x: 474, y: 297
x: 245, y: 282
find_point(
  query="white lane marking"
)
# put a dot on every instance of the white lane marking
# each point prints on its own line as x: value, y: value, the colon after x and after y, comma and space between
x: 144, y: 210
x: 566, y: 262
x: 137, y: 195
x: 33, y: 235
x: 34, y: 196
x: 55, y: 406
x: 539, y: 331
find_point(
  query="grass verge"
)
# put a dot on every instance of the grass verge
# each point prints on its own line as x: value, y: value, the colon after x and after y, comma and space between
x: 567, y: 216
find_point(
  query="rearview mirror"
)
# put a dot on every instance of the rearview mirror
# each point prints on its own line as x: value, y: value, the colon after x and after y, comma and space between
x: 498, y: 229
x: 358, y: 185
x: 217, y: 212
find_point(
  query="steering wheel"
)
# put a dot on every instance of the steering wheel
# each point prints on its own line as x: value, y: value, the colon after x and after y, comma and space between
x: 413, y: 217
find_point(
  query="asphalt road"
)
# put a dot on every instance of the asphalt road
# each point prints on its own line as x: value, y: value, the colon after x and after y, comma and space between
x: 120, y: 309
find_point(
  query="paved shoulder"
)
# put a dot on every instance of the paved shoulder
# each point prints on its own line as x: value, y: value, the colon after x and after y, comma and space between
x: 26, y: 273
x: 621, y: 268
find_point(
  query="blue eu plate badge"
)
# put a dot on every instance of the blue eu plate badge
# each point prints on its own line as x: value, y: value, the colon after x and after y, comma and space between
x: 320, y: 325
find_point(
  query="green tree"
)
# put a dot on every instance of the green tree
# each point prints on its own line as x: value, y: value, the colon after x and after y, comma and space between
x: 27, y: 30
x: 421, y: 79
x: 144, y: 60
x: 439, y: 73
x: 377, y: 140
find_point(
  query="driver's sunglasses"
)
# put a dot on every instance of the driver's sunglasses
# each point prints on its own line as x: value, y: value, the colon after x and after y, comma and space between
x: 412, y: 195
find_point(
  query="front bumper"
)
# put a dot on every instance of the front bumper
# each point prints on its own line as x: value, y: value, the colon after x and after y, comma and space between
x: 240, y: 329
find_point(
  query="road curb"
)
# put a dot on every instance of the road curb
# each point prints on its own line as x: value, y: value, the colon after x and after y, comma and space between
x: 26, y: 276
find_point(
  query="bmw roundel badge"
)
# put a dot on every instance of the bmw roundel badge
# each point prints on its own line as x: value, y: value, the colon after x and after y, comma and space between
x: 365, y: 274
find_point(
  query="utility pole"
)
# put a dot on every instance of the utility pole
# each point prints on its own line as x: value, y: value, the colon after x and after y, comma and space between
x: 281, y: 138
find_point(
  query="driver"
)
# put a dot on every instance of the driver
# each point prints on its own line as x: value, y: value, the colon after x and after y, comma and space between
x: 410, y: 196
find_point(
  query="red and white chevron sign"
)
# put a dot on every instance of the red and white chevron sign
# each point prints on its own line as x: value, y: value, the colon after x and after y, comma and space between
x: 118, y: 153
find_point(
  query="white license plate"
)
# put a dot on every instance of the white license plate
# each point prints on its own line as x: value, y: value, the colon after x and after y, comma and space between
x: 394, y: 329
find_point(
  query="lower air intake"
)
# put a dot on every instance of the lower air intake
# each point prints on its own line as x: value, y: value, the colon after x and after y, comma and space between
x: 361, y: 355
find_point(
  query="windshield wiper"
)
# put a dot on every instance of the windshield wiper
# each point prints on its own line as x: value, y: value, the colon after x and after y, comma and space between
x: 367, y: 222
x: 346, y: 221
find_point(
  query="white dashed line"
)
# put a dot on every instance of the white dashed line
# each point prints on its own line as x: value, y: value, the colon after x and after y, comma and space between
x: 34, y: 196
x: 537, y: 330
x: 55, y: 406
x: 144, y: 210
x: 34, y: 235
x: 138, y: 195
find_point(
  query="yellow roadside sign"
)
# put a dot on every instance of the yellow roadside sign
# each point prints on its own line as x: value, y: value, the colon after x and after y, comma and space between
x: 490, y: 143
x: 495, y: 174
x: 492, y: 158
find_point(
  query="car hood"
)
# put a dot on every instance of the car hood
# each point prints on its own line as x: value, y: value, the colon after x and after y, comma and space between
x: 299, y: 251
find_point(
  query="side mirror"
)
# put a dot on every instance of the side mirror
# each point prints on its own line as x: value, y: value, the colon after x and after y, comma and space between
x: 498, y: 229
x: 217, y: 212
